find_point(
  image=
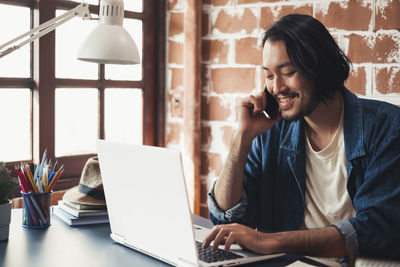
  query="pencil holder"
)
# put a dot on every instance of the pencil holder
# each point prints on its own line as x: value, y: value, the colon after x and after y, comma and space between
x: 36, y: 210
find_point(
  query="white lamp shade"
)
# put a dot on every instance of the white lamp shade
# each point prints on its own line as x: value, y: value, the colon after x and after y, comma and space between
x: 109, y: 44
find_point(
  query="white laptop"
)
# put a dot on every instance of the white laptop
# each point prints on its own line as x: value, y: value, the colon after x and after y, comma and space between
x: 148, y: 206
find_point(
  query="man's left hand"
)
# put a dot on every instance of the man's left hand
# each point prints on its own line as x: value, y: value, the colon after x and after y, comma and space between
x: 323, y: 242
x: 244, y: 236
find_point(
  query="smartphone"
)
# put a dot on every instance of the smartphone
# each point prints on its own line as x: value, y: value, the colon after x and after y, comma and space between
x: 272, y: 108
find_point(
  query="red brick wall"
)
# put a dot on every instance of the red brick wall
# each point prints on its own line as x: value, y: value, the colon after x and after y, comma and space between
x: 367, y: 30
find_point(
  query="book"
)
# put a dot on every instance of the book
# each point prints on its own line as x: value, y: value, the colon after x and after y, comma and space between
x: 75, y: 221
x: 81, y: 213
x: 84, y: 207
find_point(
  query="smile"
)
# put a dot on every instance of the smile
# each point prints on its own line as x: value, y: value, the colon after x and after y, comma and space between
x: 285, y: 101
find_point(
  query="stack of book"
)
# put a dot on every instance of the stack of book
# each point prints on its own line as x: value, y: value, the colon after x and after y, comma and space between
x: 78, y: 214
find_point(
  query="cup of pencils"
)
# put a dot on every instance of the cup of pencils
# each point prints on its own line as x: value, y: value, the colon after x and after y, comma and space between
x: 36, y: 210
x: 36, y: 189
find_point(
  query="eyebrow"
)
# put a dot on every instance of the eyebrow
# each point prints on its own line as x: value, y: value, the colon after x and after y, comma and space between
x: 280, y: 66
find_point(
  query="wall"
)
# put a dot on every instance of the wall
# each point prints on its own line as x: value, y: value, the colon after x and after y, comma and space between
x: 368, y: 32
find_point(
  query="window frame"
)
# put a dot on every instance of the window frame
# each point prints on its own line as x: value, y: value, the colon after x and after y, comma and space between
x: 43, y: 82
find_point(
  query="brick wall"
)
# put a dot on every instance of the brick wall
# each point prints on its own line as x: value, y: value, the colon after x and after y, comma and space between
x: 368, y: 32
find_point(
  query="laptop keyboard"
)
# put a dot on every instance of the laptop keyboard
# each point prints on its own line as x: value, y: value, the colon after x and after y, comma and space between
x: 209, y: 255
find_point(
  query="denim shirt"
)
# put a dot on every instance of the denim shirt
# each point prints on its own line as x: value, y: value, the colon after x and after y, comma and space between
x: 275, y: 179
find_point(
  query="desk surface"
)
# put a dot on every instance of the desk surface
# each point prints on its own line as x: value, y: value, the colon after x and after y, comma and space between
x: 61, y: 245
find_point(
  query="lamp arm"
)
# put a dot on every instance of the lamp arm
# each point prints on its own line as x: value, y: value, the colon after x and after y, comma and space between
x: 82, y: 10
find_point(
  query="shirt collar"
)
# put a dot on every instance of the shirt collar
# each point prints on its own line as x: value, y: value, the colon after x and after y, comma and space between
x: 352, y: 129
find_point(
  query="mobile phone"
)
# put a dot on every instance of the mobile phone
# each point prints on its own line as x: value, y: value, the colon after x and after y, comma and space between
x: 272, y: 108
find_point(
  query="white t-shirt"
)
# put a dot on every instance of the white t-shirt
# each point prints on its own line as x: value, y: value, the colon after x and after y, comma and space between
x: 327, y: 199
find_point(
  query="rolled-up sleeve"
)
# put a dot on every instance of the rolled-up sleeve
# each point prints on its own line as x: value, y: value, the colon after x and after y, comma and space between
x: 350, y: 237
x: 228, y: 216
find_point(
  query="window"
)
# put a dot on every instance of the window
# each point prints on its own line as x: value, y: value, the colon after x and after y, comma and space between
x: 58, y: 103
x: 15, y: 138
x: 15, y: 87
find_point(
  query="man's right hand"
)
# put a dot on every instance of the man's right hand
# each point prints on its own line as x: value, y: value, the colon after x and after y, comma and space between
x: 228, y: 189
x: 251, y: 119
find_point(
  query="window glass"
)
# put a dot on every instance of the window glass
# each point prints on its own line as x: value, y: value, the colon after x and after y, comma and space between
x: 15, y: 134
x: 14, y: 21
x: 133, y: 5
x: 123, y: 115
x: 92, y: 2
x: 128, y: 72
x: 76, y: 121
x: 130, y: 5
x: 69, y: 37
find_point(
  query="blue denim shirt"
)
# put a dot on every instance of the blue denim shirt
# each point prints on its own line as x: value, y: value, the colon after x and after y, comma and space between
x: 275, y: 179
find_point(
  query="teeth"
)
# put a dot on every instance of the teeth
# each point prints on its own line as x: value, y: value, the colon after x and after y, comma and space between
x: 286, y: 99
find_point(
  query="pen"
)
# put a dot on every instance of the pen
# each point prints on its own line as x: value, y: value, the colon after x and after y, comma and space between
x: 55, y: 179
x: 51, y: 176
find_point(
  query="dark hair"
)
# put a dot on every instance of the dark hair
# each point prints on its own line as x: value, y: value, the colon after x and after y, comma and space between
x: 312, y: 51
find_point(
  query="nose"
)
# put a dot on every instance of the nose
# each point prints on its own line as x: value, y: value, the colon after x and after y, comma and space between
x: 279, y: 85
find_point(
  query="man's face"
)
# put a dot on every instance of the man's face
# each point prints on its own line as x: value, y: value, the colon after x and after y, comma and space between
x: 294, y: 92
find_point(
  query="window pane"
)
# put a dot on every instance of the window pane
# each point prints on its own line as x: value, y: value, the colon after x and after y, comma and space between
x: 124, y: 115
x: 133, y: 5
x: 128, y: 72
x: 15, y: 135
x: 76, y: 121
x: 69, y: 37
x: 90, y: 2
x: 15, y: 21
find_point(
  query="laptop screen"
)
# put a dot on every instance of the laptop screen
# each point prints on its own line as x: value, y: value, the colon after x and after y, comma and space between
x: 147, y: 200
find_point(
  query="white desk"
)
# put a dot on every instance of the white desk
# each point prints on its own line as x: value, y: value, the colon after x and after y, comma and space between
x: 63, y: 246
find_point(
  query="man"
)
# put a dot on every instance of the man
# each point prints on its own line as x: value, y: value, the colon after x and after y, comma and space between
x: 321, y: 179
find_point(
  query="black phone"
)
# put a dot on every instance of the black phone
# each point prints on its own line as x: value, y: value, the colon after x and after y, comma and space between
x: 272, y: 108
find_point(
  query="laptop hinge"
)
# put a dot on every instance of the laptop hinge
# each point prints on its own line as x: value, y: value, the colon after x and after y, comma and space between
x: 186, y: 263
x: 117, y: 238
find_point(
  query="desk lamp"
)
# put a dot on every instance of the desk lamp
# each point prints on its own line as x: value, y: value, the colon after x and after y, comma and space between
x: 108, y: 43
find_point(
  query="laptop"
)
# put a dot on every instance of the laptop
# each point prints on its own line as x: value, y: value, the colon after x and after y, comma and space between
x: 149, y: 210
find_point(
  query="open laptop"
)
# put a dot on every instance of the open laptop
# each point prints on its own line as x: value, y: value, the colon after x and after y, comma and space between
x: 148, y: 206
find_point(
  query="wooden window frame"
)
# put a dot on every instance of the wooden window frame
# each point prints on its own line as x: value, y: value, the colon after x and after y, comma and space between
x: 43, y: 82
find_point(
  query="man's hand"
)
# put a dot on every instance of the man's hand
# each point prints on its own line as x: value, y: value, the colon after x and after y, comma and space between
x: 229, y: 187
x: 244, y: 236
x: 324, y: 242
x: 251, y: 119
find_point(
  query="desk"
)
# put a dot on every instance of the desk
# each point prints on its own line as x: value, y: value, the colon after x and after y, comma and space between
x: 63, y: 246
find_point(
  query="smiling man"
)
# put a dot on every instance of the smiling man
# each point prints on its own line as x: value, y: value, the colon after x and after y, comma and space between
x: 321, y: 179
